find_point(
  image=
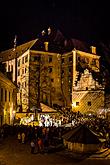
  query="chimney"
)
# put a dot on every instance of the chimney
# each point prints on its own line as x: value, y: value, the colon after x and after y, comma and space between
x: 46, y: 46
x: 93, y: 49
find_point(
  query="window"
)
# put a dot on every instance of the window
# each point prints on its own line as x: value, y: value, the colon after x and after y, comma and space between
x: 70, y: 59
x: 5, y: 95
x: 8, y: 68
x: 93, y: 62
x: 12, y: 68
x: 22, y: 70
x: 1, y: 94
x: 26, y: 58
x: 19, y: 62
x: 9, y: 96
x: 50, y: 69
x: 62, y: 73
x: 23, y: 60
x: 62, y: 61
x: 70, y: 71
x: 52, y: 80
x: 32, y: 58
x: 25, y: 84
x: 25, y: 70
x: 37, y: 58
x: 37, y: 68
x: 77, y: 103
x: 50, y: 59
x: 89, y: 103
x: 18, y: 72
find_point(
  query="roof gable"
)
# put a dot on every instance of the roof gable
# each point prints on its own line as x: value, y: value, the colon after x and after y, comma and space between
x: 12, y: 53
x: 82, y: 134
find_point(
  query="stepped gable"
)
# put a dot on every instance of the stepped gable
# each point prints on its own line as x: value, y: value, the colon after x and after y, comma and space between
x: 11, y: 53
x: 82, y: 134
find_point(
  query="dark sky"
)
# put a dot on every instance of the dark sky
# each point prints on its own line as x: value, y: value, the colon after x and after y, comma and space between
x: 86, y: 20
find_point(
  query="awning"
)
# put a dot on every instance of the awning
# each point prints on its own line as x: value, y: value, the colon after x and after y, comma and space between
x: 47, y: 109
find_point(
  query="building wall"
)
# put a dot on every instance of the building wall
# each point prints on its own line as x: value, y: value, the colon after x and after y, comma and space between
x: 58, y: 75
x: 7, y: 100
x: 23, y: 80
x: 91, y: 102
x: 67, y: 76
x: 45, y: 66
x: 88, y: 94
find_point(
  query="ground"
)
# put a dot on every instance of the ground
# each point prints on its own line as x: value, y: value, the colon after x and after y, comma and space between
x: 13, y: 153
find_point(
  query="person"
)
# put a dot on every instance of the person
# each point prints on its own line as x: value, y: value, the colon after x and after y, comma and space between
x: 40, y: 145
x: 32, y: 147
x: 19, y: 137
x: 23, y: 137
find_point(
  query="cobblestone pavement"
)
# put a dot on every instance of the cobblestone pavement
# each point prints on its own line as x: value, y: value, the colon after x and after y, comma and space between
x: 13, y: 153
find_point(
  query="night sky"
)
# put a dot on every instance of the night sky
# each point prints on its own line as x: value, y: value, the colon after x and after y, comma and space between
x: 86, y: 20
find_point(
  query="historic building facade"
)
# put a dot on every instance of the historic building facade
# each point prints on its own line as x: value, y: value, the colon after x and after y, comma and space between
x: 88, y: 95
x: 36, y: 73
x: 7, y: 100
x: 46, y: 76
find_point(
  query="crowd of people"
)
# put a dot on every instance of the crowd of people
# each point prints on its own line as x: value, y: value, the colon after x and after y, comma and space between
x: 41, y: 139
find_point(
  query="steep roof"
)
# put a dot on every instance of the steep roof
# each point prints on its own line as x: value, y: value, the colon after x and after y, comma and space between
x: 11, y: 53
x: 6, y: 80
x: 81, y: 134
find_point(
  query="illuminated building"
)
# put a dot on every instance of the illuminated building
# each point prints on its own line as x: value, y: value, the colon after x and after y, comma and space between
x: 7, y: 100
x: 47, y: 76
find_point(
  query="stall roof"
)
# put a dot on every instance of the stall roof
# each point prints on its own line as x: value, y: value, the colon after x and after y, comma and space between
x: 82, y: 134
x: 47, y: 109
